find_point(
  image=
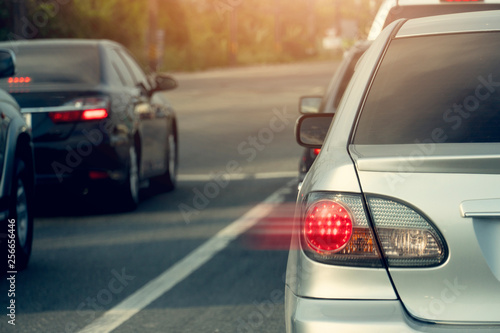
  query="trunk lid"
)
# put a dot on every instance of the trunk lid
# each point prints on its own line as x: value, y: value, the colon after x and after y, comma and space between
x: 457, y: 188
x: 39, y: 103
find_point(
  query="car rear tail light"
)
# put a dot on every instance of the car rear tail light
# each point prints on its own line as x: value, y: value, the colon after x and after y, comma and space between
x: 316, y: 151
x: 17, y: 80
x: 82, y: 109
x: 98, y: 175
x: 335, y: 230
x: 406, y: 237
x: 65, y: 117
x: 328, y: 226
x: 94, y: 114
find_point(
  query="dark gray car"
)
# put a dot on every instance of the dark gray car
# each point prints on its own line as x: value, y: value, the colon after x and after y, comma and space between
x: 17, y: 177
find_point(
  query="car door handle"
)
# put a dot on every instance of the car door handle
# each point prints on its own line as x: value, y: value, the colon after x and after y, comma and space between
x: 485, y: 208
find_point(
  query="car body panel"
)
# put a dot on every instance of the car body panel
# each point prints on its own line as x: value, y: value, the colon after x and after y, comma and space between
x: 17, y: 180
x: 447, y: 293
x: 335, y: 171
x: 12, y: 126
x: 309, y: 315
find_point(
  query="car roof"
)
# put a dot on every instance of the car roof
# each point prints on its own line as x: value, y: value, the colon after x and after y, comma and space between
x: 434, y: 2
x: 59, y: 42
x: 380, y: 19
x: 452, y: 23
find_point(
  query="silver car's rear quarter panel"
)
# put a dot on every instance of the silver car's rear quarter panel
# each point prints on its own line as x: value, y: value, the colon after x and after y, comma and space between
x: 317, y: 280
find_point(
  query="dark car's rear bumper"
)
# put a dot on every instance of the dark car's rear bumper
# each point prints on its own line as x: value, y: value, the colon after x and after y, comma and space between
x: 76, y: 165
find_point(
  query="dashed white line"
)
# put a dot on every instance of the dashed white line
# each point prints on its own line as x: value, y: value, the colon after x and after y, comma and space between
x: 144, y: 296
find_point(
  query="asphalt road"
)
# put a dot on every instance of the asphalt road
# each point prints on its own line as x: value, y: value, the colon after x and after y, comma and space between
x: 207, y: 257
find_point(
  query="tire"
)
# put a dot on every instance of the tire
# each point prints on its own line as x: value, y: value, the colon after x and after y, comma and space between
x: 21, y: 213
x: 129, y: 191
x: 168, y: 181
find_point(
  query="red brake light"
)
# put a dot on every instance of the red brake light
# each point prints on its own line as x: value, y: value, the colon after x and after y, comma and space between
x: 98, y: 175
x: 94, y: 114
x: 21, y: 79
x: 316, y: 151
x: 328, y: 226
x: 65, y: 117
x: 72, y: 116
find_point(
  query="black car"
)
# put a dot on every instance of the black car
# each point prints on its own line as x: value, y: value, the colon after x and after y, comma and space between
x: 100, y: 125
x: 17, y: 177
x: 331, y: 99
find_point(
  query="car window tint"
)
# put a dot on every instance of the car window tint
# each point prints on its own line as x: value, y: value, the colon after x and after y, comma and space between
x: 346, y: 78
x: 49, y: 64
x: 113, y: 75
x: 121, y: 69
x: 137, y: 72
x: 417, y: 11
x: 442, y: 88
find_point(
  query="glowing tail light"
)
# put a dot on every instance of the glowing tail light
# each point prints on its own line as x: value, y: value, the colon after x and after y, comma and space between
x: 328, y: 226
x: 336, y: 230
x: 72, y: 116
x: 82, y: 109
x: 17, y: 80
x: 94, y: 114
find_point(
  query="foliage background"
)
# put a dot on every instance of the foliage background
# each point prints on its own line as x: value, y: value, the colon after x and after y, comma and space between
x: 198, y: 34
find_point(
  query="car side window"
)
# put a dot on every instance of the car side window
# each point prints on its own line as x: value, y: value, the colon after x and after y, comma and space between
x: 137, y: 72
x: 112, y: 72
x: 121, y: 69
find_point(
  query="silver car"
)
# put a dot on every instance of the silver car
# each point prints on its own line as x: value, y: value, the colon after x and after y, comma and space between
x: 397, y: 225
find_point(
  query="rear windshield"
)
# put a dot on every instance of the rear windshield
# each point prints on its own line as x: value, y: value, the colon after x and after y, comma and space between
x: 442, y: 88
x: 417, y: 11
x: 56, y: 65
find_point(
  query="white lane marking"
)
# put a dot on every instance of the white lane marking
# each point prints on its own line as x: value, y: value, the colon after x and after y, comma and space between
x: 239, y: 176
x: 144, y: 296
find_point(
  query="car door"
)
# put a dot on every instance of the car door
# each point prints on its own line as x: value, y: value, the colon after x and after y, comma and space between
x: 134, y: 97
x: 153, y: 124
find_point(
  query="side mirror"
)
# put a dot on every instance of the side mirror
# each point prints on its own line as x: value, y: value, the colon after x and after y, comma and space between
x: 310, y: 104
x: 165, y: 82
x: 7, y: 63
x: 311, y: 129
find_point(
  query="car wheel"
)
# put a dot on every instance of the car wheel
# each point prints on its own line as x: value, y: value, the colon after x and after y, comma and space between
x: 130, y: 190
x: 22, y: 215
x: 168, y: 180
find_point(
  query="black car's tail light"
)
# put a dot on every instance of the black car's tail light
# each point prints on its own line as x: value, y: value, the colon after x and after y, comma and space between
x: 335, y: 230
x: 82, y: 109
x: 406, y: 237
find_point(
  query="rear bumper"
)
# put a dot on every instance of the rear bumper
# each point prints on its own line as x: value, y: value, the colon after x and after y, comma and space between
x: 68, y: 164
x: 305, y: 315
